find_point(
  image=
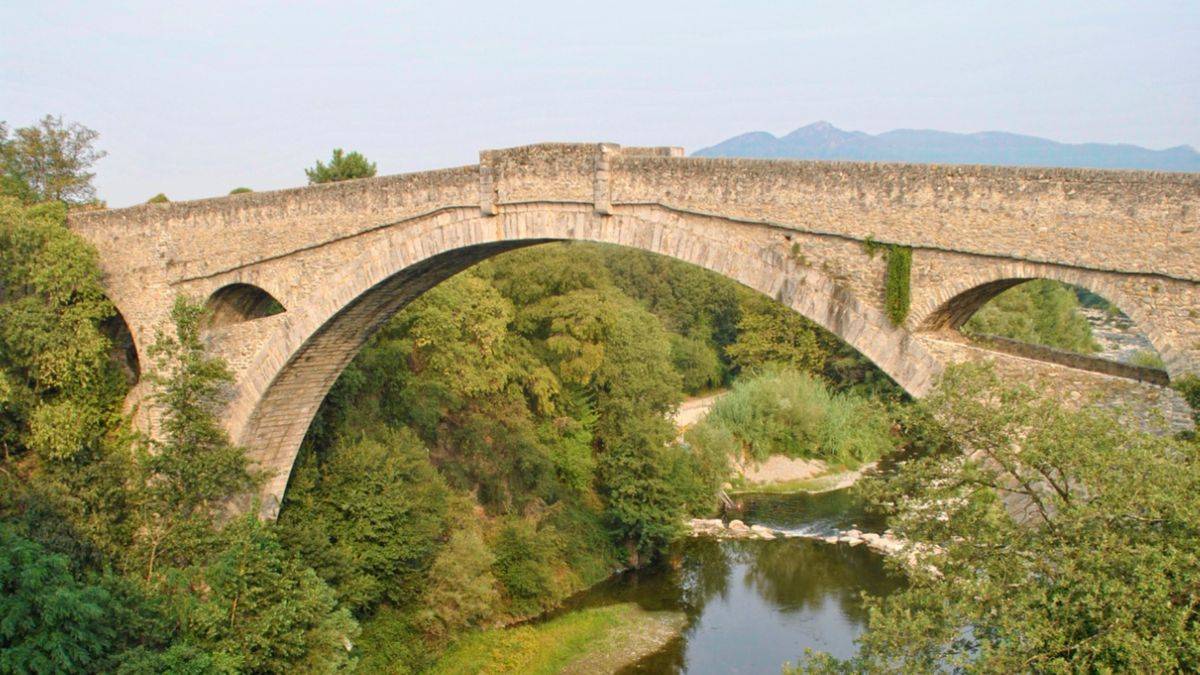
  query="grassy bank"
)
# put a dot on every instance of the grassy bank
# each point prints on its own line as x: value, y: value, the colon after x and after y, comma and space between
x: 595, y: 640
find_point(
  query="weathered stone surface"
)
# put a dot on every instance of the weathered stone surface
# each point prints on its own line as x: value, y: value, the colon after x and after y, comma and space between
x: 342, y: 258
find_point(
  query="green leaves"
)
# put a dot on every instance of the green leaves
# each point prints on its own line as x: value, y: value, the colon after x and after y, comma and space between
x: 49, y: 621
x: 769, y: 333
x: 369, y: 518
x: 340, y: 167
x: 897, y: 294
x: 48, y: 161
x: 59, y: 382
x: 1065, y: 540
x: 194, y: 468
x: 1041, y: 312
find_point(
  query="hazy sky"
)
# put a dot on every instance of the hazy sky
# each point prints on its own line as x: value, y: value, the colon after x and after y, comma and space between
x: 195, y: 100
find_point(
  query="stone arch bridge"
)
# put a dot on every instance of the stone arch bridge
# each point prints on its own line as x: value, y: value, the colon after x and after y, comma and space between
x: 299, y: 279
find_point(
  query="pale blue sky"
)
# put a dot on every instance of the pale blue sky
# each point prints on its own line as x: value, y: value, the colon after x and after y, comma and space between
x: 193, y: 99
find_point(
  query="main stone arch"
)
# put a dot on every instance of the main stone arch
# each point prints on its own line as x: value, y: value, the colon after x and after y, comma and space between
x: 277, y: 398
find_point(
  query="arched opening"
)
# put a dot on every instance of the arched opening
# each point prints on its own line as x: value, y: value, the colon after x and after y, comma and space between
x: 123, y: 350
x: 297, y: 362
x: 527, y: 384
x: 239, y: 302
x: 1053, y: 320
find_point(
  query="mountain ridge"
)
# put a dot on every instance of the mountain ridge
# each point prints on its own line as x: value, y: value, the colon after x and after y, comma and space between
x: 824, y: 141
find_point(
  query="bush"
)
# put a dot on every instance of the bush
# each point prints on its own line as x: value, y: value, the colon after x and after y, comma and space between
x: 1189, y: 386
x: 697, y: 362
x: 524, y: 565
x: 462, y: 591
x: 784, y: 412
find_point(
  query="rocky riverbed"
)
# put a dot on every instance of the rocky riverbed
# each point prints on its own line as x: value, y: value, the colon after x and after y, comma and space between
x: 885, y: 543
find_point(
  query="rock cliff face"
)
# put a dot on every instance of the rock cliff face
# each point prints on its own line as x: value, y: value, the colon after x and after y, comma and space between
x: 822, y: 140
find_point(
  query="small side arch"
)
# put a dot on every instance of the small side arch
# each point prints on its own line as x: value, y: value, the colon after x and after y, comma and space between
x: 123, y: 348
x: 240, y: 302
x: 954, y: 303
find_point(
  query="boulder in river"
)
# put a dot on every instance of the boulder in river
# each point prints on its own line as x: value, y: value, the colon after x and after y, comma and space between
x: 762, y: 532
x: 708, y: 526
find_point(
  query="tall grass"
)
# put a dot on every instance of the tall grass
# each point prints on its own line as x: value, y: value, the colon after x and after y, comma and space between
x: 780, y: 411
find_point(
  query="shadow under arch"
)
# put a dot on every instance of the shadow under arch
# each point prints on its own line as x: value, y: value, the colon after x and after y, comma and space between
x: 123, y: 349
x: 240, y: 302
x: 277, y: 397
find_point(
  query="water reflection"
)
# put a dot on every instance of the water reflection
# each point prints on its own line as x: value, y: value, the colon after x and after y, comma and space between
x: 753, y: 605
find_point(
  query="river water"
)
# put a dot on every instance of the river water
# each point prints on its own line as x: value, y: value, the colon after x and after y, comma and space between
x: 753, y: 605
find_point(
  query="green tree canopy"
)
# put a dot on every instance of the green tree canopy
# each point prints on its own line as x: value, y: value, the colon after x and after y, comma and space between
x: 769, y: 333
x: 1064, y: 540
x: 57, y: 381
x: 341, y: 166
x: 49, y: 161
x: 49, y: 621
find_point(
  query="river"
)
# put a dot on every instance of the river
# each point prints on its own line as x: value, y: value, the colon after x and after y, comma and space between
x: 753, y: 605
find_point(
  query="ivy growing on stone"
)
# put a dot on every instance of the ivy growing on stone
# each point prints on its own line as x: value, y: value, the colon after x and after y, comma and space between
x: 871, y: 246
x: 897, y: 296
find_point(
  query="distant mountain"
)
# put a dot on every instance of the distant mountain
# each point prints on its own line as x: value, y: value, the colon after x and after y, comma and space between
x: 822, y: 140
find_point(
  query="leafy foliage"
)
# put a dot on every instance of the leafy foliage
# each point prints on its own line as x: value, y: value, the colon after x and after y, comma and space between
x: 785, y: 412
x: 58, y: 379
x: 341, y: 166
x: 368, y: 516
x: 769, y: 333
x: 49, y: 161
x: 193, y: 469
x: 1064, y: 541
x: 1189, y: 386
x: 49, y: 621
x: 897, y: 292
x: 262, y: 610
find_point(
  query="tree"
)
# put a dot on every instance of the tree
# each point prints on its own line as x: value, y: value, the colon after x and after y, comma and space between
x: 49, y: 621
x: 159, y: 198
x: 260, y: 608
x: 340, y: 167
x: 59, y: 383
x: 194, y: 469
x: 240, y: 190
x: 1064, y: 541
x: 49, y: 161
x: 769, y: 333
x: 369, y: 517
